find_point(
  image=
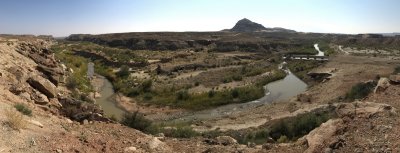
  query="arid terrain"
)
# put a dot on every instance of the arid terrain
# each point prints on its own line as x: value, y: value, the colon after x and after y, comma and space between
x: 200, y: 92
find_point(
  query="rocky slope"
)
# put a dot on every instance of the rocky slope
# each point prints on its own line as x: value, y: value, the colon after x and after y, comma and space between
x: 30, y: 75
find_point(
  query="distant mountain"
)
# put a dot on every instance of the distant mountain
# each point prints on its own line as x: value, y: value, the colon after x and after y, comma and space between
x: 245, y: 25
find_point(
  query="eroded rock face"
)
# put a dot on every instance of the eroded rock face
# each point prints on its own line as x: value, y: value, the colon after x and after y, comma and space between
x: 79, y: 111
x: 38, y: 53
x: 55, y: 75
x: 363, y: 109
x: 323, y: 135
x: 43, y: 85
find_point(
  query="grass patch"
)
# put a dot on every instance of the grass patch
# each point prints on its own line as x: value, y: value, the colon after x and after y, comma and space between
x: 23, y: 109
x: 288, y: 129
x: 136, y: 120
x: 360, y: 90
x: 15, y: 119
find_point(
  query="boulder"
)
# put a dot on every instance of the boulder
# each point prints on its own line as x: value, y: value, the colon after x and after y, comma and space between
x: 382, y: 85
x: 43, y: 85
x: 53, y: 74
x: 41, y: 100
x: 26, y: 96
x: 130, y: 149
x: 322, y: 135
x: 155, y: 145
x: 225, y: 140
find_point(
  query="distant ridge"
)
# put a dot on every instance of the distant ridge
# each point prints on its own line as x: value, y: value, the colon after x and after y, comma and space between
x: 245, y: 25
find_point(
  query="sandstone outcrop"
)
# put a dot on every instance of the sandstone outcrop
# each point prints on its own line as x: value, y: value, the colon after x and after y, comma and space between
x: 43, y: 85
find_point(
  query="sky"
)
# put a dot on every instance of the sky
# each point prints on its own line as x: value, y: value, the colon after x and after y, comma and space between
x: 65, y: 17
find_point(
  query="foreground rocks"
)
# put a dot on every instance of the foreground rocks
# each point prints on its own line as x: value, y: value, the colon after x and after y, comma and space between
x: 43, y: 85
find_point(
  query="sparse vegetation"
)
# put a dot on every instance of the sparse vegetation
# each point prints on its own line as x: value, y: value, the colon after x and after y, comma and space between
x: 360, y: 90
x: 77, y: 79
x: 15, y: 119
x: 136, y: 120
x: 301, y: 68
x: 289, y: 129
x: 23, y: 109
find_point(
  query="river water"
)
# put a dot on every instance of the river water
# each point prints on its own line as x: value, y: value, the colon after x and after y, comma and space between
x: 107, y: 100
x: 276, y: 91
x: 280, y: 90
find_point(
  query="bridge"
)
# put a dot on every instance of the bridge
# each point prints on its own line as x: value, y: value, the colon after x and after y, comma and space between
x: 306, y: 57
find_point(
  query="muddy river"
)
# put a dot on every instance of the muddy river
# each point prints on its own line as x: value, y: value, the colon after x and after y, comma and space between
x: 107, y: 100
x: 276, y: 91
x: 279, y: 90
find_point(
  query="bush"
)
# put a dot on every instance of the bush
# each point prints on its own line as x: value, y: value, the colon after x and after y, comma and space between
x: 136, y: 120
x: 147, y: 96
x: 146, y: 85
x: 211, y: 93
x: 23, y: 109
x: 182, y: 95
x: 183, y: 132
x: 298, y: 126
x: 360, y: 90
x: 235, y: 93
x: 72, y: 83
x: 123, y: 72
x: 14, y: 119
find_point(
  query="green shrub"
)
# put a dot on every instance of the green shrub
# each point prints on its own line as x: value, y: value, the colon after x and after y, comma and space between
x: 182, y: 95
x: 147, y: 96
x: 360, y: 90
x: 282, y: 139
x: 72, y: 83
x: 146, y: 85
x: 235, y: 93
x: 183, y: 132
x: 23, y: 109
x: 211, y: 93
x: 136, y: 120
x: 288, y: 129
x: 123, y: 72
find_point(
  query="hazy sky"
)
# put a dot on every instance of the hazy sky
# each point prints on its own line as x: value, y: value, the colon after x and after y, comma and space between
x: 64, y: 17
